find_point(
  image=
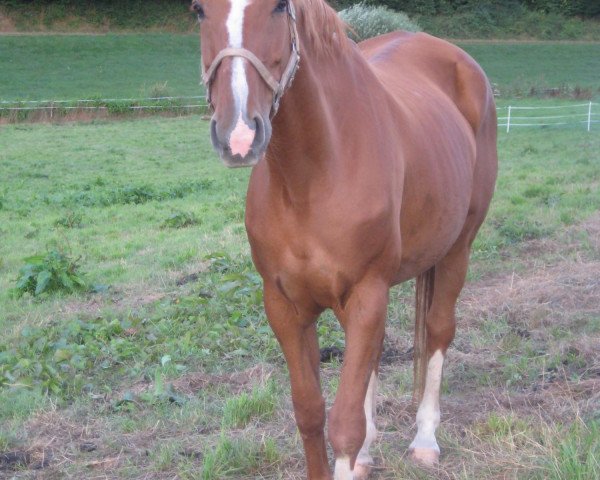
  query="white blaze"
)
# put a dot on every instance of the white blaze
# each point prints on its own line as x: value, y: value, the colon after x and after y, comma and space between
x: 242, y: 136
x: 235, y: 28
x: 428, y: 415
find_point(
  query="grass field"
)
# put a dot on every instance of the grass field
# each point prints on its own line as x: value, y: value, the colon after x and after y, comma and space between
x: 69, y: 67
x: 163, y: 365
x: 116, y: 66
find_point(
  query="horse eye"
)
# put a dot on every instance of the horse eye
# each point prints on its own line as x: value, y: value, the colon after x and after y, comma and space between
x: 198, y: 9
x: 281, y: 7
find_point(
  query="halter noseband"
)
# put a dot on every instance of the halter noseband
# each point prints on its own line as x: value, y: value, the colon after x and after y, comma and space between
x: 278, y: 88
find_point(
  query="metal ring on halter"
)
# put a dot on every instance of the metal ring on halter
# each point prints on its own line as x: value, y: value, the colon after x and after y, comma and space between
x: 278, y: 88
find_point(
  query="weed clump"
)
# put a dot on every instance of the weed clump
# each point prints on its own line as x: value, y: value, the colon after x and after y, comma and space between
x: 71, y: 219
x: 53, y: 272
x: 180, y: 220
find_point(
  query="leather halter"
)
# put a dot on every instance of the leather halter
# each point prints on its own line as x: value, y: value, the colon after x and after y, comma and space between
x: 278, y: 88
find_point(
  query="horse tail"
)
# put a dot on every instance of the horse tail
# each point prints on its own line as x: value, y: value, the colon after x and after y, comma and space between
x: 423, y: 298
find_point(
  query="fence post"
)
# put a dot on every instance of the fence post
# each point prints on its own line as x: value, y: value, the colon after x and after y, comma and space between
x: 589, y: 116
x: 508, y: 120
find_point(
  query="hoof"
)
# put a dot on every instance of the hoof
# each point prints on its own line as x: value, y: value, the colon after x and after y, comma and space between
x: 425, y: 456
x: 362, y: 471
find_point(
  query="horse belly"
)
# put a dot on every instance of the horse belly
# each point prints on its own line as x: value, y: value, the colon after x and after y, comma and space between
x: 435, y: 206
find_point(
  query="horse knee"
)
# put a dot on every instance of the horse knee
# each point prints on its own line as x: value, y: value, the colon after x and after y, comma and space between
x: 440, y: 330
x: 310, y: 417
x: 346, y: 433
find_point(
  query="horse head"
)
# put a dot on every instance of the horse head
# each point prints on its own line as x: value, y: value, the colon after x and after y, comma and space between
x: 249, y: 58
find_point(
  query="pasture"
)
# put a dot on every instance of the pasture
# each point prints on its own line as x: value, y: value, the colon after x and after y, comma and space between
x: 163, y: 366
x: 59, y: 67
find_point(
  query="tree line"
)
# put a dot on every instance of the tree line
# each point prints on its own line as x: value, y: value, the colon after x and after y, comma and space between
x: 580, y: 8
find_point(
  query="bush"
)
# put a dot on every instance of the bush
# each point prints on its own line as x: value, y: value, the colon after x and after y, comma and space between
x: 367, y: 21
x: 48, y: 273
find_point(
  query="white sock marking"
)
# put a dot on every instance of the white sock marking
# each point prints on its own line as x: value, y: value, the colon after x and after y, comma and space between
x: 342, y: 469
x: 235, y: 28
x: 428, y: 415
x: 342, y: 465
x: 364, y: 457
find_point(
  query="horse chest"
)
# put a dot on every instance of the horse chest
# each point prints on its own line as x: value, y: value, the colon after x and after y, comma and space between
x: 321, y: 265
x: 305, y: 272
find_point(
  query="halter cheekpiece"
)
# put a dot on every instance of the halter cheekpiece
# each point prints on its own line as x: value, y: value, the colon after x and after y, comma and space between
x: 287, y: 77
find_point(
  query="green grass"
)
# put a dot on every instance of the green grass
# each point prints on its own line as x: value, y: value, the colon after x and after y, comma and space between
x: 103, y: 193
x: 231, y: 458
x: 259, y: 404
x: 55, y: 67
x: 578, y: 453
x: 516, y: 67
x: 142, y: 65
x: 156, y: 223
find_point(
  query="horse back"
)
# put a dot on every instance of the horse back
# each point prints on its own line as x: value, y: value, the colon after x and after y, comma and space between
x: 410, y: 62
x: 447, y: 128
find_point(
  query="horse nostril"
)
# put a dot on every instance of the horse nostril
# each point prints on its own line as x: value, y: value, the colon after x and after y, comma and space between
x: 260, y: 131
x: 214, y: 136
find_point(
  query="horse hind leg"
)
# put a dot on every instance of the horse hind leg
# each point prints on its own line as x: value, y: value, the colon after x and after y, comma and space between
x: 448, y: 279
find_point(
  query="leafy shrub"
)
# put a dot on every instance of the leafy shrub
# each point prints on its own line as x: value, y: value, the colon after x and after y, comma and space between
x: 367, y: 21
x: 49, y: 273
x: 217, y: 325
x: 54, y: 357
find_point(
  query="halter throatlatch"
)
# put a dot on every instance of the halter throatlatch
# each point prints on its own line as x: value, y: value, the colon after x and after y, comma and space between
x: 278, y: 88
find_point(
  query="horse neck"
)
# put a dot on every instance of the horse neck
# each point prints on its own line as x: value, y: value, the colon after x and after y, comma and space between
x: 308, y: 130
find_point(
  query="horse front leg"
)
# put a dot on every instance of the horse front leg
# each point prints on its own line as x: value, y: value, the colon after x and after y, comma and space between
x: 297, y: 334
x: 351, y: 424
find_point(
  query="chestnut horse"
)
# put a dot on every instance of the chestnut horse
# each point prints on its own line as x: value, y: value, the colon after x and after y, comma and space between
x: 374, y: 165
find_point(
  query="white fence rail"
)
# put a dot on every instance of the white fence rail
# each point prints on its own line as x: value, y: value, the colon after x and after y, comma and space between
x: 556, y: 115
x: 584, y: 114
x: 151, y: 103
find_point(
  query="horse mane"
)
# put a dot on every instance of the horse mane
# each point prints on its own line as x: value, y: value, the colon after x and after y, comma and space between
x: 322, y: 26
